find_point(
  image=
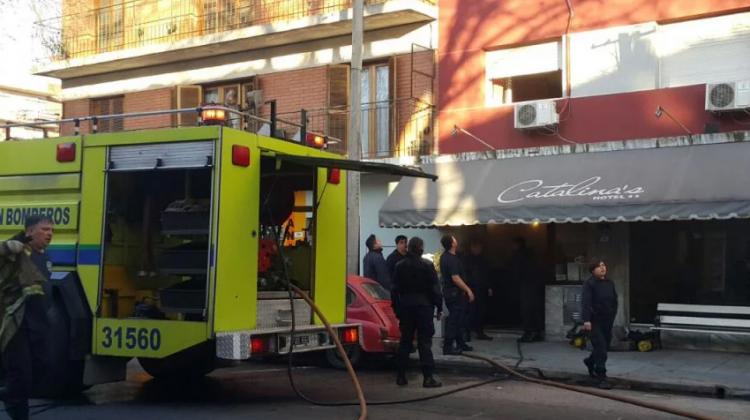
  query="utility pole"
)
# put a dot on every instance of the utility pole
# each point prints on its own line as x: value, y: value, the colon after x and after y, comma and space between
x: 355, y: 139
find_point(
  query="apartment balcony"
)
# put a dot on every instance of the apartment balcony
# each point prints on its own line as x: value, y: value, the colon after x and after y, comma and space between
x: 390, y: 129
x: 141, y: 33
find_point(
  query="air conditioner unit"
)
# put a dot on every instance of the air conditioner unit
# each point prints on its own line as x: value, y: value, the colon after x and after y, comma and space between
x: 728, y: 96
x: 535, y: 114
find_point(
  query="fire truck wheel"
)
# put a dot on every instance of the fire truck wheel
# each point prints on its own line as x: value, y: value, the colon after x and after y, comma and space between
x: 194, y: 362
x: 353, y: 352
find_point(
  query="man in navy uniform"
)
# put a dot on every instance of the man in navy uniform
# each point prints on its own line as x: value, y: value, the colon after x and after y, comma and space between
x: 415, y: 298
x: 599, y: 308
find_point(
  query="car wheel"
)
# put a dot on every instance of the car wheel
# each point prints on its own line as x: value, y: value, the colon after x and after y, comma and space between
x: 354, y: 353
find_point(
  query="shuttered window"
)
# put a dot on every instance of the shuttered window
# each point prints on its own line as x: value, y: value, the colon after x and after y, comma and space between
x: 523, y: 73
x: 711, y: 50
x: 188, y: 97
x: 108, y: 106
x: 338, y: 104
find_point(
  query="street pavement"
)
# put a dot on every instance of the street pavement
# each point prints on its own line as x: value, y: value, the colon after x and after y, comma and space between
x: 691, y: 371
x: 262, y: 391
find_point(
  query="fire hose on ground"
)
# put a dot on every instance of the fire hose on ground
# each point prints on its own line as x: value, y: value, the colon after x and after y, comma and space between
x: 362, y: 402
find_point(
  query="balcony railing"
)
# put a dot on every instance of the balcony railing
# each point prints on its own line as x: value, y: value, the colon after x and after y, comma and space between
x: 138, y: 23
x: 389, y: 128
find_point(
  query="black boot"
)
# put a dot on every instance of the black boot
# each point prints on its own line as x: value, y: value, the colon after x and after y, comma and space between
x: 431, y: 382
x: 482, y: 336
x: 525, y: 338
x: 450, y: 351
x: 401, y: 379
x: 590, y: 366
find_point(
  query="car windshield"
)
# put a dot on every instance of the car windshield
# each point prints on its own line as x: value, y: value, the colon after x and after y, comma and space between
x: 376, y: 291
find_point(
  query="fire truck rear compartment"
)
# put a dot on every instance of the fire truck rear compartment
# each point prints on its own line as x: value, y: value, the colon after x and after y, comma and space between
x: 156, y: 257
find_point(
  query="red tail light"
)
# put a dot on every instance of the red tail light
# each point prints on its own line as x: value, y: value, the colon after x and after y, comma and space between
x: 258, y: 345
x: 350, y: 335
x: 334, y: 176
x: 240, y: 155
x: 66, y: 152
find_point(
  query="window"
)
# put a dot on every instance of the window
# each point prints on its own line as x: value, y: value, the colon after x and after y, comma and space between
x: 219, y: 15
x: 337, y: 121
x: 108, y: 106
x: 238, y: 95
x: 109, y: 24
x: 376, y: 87
x: 376, y: 120
x: 376, y: 291
x: 523, y: 74
x: 350, y: 297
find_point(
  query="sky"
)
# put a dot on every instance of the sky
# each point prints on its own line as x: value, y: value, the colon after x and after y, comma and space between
x: 20, y: 49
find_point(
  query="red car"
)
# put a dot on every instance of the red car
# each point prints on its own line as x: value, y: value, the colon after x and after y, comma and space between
x: 369, y: 304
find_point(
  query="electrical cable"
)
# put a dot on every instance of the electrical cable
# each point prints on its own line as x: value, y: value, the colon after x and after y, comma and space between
x: 566, y: 106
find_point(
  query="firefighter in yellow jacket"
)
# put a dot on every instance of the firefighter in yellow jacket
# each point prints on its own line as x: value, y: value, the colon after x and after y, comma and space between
x: 24, y: 275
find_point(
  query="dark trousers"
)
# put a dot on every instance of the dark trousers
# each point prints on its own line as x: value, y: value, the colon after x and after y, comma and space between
x: 601, y: 335
x: 23, y: 361
x: 455, y: 324
x: 532, y: 311
x: 477, y: 310
x: 416, y: 319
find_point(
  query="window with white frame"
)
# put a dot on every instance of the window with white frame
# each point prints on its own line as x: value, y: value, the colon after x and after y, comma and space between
x: 523, y: 73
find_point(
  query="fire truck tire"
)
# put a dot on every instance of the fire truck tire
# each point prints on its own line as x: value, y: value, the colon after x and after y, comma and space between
x: 194, y: 362
x: 64, y: 377
x: 353, y: 352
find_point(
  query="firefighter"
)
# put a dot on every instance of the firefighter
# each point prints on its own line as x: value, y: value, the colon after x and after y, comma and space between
x: 24, y: 275
x: 415, y: 297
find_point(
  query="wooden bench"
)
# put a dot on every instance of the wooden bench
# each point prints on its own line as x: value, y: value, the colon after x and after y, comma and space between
x: 709, y: 319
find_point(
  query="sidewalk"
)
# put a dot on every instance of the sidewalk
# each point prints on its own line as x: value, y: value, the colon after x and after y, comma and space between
x: 701, y: 372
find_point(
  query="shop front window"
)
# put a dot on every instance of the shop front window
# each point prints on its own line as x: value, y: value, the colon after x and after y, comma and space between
x: 692, y: 262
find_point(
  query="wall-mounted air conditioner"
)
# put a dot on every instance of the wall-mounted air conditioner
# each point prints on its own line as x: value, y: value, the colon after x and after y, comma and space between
x: 728, y: 96
x: 535, y: 114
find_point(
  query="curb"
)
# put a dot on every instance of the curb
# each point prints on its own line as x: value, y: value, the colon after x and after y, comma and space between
x: 619, y: 382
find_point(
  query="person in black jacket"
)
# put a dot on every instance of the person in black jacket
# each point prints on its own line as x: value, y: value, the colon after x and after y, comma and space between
x: 415, y: 296
x: 524, y: 272
x: 373, y: 265
x: 397, y: 255
x: 478, y: 280
x: 598, y: 309
x: 458, y: 296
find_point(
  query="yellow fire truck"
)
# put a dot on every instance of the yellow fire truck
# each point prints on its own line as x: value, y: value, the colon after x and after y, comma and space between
x: 174, y: 245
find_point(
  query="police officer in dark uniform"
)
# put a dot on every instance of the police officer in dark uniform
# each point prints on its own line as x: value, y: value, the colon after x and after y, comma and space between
x: 457, y: 295
x: 24, y: 275
x: 397, y: 255
x: 599, y: 308
x: 477, y: 277
x: 415, y: 298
